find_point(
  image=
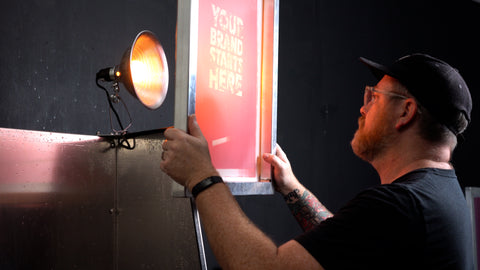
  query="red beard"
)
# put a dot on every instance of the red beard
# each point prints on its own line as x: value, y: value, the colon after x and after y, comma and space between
x: 369, y: 144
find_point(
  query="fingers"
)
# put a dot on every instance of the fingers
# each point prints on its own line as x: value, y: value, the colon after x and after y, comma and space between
x: 164, y: 151
x: 175, y: 139
x: 164, y: 155
x: 273, y: 160
x: 193, y: 127
x: 185, y: 156
x: 281, y: 154
x: 164, y: 145
x: 172, y: 133
x: 278, y: 159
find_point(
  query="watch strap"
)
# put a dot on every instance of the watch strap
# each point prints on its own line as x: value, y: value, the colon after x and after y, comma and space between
x: 205, y: 183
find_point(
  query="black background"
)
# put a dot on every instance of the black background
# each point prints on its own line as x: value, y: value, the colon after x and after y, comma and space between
x: 52, y: 49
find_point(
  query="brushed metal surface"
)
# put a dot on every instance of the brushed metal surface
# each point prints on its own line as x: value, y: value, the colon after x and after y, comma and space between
x: 155, y: 230
x: 55, y: 194
x: 86, y: 202
x: 247, y: 188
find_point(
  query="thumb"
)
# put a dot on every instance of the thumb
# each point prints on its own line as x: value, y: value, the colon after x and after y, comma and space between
x: 273, y: 160
x: 193, y: 127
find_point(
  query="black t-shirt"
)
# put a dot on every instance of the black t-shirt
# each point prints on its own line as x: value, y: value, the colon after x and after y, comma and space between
x: 420, y: 221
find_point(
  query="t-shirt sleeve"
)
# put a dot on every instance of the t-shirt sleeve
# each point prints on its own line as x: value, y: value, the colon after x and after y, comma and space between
x: 361, y: 234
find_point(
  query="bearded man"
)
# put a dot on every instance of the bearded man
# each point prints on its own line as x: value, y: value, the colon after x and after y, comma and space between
x: 416, y: 219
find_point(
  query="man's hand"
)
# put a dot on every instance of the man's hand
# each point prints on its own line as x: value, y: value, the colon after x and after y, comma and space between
x: 284, y: 179
x: 305, y: 207
x: 185, y: 156
x: 234, y: 239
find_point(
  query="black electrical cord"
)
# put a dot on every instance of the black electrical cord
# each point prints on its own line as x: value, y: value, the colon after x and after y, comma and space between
x: 122, y: 141
x: 126, y: 144
x: 110, y: 103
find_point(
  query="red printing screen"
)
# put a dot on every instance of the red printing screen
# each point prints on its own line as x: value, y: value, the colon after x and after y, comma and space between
x: 227, y: 90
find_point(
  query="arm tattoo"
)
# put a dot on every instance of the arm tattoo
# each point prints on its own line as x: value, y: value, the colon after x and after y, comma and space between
x: 308, y: 211
x: 292, y: 196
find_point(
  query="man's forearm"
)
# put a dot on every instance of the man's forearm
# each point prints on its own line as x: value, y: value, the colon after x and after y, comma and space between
x: 238, y: 244
x: 235, y: 241
x: 306, y: 208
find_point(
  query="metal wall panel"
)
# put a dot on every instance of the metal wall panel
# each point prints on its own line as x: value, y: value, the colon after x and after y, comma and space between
x: 86, y: 202
x: 156, y: 230
x: 55, y: 194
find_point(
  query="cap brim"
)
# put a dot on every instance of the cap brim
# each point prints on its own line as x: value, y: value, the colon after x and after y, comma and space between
x: 377, y: 69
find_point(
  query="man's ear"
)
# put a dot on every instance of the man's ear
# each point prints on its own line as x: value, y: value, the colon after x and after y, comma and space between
x: 408, y: 112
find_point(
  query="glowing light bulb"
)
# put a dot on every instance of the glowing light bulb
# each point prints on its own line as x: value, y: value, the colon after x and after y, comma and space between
x: 148, y: 70
x: 140, y: 72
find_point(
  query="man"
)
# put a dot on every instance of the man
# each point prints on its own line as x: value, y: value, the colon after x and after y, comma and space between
x: 416, y: 219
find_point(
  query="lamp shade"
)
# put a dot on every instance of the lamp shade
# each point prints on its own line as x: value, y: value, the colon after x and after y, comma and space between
x: 144, y: 70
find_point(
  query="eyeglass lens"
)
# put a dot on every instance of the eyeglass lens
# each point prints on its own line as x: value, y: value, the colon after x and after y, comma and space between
x: 367, y: 96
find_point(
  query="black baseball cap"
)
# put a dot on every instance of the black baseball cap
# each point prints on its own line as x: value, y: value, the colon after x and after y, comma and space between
x: 436, y: 85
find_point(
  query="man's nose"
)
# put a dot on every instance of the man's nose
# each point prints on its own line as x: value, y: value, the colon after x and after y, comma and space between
x: 363, y: 110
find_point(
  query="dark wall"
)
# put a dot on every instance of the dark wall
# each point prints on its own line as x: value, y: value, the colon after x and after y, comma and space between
x: 52, y: 49
x: 321, y: 86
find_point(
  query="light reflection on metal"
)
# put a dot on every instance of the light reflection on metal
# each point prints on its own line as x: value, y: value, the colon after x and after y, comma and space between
x: 268, y: 133
x: 154, y: 229
x: 53, y: 187
x: 86, y: 202
x: 26, y: 171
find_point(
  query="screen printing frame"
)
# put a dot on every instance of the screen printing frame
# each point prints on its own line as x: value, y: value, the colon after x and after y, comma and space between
x: 187, y: 76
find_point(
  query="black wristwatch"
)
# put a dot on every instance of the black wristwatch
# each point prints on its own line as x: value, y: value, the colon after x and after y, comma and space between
x: 205, y: 183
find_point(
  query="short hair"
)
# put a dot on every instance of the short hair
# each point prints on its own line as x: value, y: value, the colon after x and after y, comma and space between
x: 431, y: 129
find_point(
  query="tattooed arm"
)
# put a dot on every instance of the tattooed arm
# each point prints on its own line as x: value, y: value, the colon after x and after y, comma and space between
x: 306, y: 208
x: 236, y: 242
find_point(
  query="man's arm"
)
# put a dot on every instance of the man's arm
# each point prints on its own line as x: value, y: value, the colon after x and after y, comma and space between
x: 304, y: 206
x: 236, y: 242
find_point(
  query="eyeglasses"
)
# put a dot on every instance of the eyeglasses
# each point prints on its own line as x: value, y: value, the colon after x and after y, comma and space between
x: 368, y: 95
